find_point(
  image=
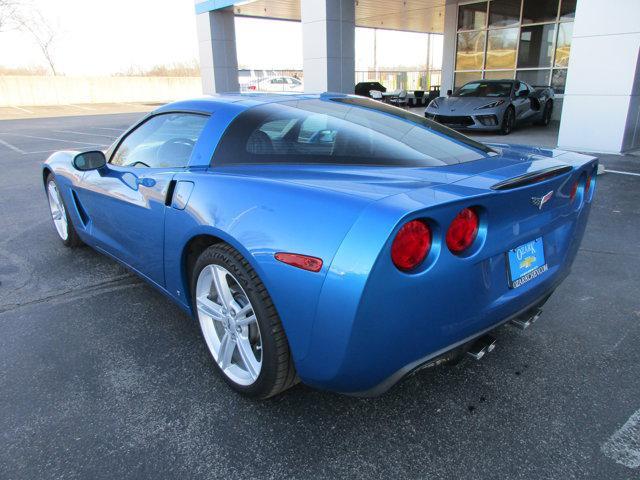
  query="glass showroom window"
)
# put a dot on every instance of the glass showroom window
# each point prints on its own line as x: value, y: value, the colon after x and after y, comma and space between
x: 526, y: 39
x: 470, y: 51
x: 501, y: 48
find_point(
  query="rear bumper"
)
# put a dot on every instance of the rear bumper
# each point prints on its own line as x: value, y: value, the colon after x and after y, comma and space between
x: 412, y: 367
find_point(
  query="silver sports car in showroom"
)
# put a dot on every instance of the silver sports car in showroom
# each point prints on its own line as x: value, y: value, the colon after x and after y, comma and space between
x: 492, y: 105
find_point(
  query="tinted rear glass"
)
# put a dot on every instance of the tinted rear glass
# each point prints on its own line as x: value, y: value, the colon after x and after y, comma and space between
x: 342, y: 131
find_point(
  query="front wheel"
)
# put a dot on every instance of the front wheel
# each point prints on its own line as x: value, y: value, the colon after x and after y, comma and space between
x: 508, y: 121
x: 60, y: 215
x: 240, y: 325
x: 545, y: 120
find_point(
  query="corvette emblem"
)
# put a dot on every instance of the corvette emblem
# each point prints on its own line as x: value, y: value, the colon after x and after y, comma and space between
x: 540, y: 201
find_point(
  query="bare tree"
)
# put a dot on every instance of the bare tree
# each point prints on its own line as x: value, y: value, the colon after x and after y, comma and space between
x: 8, y: 10
x: 23, y: 15
x: 43, y: 34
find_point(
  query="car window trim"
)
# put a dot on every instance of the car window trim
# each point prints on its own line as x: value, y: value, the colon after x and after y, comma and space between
x: 111, y: 151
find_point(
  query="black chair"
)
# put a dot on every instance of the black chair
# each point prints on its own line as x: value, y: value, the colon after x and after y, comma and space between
x: 400, y: 100
x: 434, y: 92
x: 363, y: 88
x: 418, y: 99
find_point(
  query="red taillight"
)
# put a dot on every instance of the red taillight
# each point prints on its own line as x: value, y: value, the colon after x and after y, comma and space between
x: 251, y: 87
x: 462, y: 231
x: 574, y: 190
x: 411, y: 245
x: 305, y: 262
x: 587, y: 185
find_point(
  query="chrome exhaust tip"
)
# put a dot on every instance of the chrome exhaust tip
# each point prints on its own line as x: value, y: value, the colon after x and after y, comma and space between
x: 483, y: 345
x: 526, y: 320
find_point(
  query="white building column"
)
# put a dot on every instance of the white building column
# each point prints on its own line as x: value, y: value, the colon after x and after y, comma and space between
x: 217, y: 45
x: 601, y: 110
x: 328, y: 45
x: 449, y: 46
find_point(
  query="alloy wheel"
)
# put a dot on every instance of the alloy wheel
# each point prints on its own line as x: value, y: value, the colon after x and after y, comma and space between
x: 58, y: 213
x: 229, y: 324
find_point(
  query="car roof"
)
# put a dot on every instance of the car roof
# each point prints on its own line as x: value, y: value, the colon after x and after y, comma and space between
x: 494, y: 80
x: 212, y: 103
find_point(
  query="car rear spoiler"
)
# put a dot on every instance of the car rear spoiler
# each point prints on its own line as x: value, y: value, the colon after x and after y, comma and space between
x: 532, y: 177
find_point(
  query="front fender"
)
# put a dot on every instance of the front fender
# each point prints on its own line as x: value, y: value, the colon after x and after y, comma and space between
x: 60, y: 164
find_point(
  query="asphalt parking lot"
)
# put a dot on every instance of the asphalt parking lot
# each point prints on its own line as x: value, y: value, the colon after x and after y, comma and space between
x: 102, y: 377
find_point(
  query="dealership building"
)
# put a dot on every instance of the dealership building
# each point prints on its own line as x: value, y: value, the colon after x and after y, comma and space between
x: 587, y: 50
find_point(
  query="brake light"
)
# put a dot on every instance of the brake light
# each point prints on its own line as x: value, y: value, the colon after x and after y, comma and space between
x: 305, y: 262
x: 411, y: 245
x: 587, y: 185
x: 574, y: 190
x: 462, y: 231
x: 251, y: 87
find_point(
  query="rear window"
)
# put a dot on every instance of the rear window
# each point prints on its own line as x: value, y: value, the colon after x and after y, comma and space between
x: 342, y: 131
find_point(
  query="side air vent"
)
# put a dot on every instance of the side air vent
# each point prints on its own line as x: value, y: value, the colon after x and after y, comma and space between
x: 83, y: 215
x: 532, y: 177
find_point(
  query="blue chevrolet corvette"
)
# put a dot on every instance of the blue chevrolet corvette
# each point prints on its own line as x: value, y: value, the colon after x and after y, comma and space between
x: 328, y: 239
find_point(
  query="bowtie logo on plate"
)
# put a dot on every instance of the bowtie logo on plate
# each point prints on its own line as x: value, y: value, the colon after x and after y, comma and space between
x: 540, y: 201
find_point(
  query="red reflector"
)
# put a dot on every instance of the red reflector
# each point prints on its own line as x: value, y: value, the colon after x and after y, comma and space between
x: 462, y: 231
x: 574, y: 190
x: 251, y: 87
x: 305, y: 262
x: 411, y: 245
x: 587, y: 185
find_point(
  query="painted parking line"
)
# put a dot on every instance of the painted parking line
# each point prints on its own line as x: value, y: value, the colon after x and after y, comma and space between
x: 22, y: 109
x: 85, y: 133
x: 80, y: 107
x: 109, y: 128
x: 24, y: 135
x: 622, y: 173
x: 75, y: 147
x: 12, y: 147
x: 624, y: 445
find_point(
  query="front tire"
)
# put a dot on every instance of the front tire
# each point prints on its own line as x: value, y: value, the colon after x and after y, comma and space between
x: 60, y: 214
x: 240, y: 325
x: 508, y: 121
x: 546, y: 114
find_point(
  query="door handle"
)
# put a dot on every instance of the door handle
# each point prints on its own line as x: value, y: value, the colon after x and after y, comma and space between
x: 145, y: 182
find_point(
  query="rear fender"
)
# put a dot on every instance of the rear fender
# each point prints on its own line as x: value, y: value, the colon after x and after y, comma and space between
x: 260, y: 218
x: 347, y: 279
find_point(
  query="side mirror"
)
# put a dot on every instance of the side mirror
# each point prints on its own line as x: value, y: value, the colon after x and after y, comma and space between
x: 89, y: 161
x: 449, y: 93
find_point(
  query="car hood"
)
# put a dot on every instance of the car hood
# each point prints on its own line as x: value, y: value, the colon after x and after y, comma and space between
x: 463, y: 105
x: 377, y: 182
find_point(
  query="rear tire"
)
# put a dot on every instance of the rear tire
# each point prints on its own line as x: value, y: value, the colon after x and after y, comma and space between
x: 260, y: 363
x: 508, y: 121
x: 60, y: 214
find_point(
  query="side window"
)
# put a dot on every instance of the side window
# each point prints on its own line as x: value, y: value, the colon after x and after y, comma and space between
x: 522, y: 87
x: 163, y: 141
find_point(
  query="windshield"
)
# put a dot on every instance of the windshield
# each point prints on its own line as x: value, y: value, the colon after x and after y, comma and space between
x: 342, y: 131
x: 484, y: 89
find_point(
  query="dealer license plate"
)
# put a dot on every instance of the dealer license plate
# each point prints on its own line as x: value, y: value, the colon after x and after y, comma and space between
x: 526, y: 262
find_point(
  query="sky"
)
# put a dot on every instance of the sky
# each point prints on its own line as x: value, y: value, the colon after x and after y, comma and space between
x: 103, y: 37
